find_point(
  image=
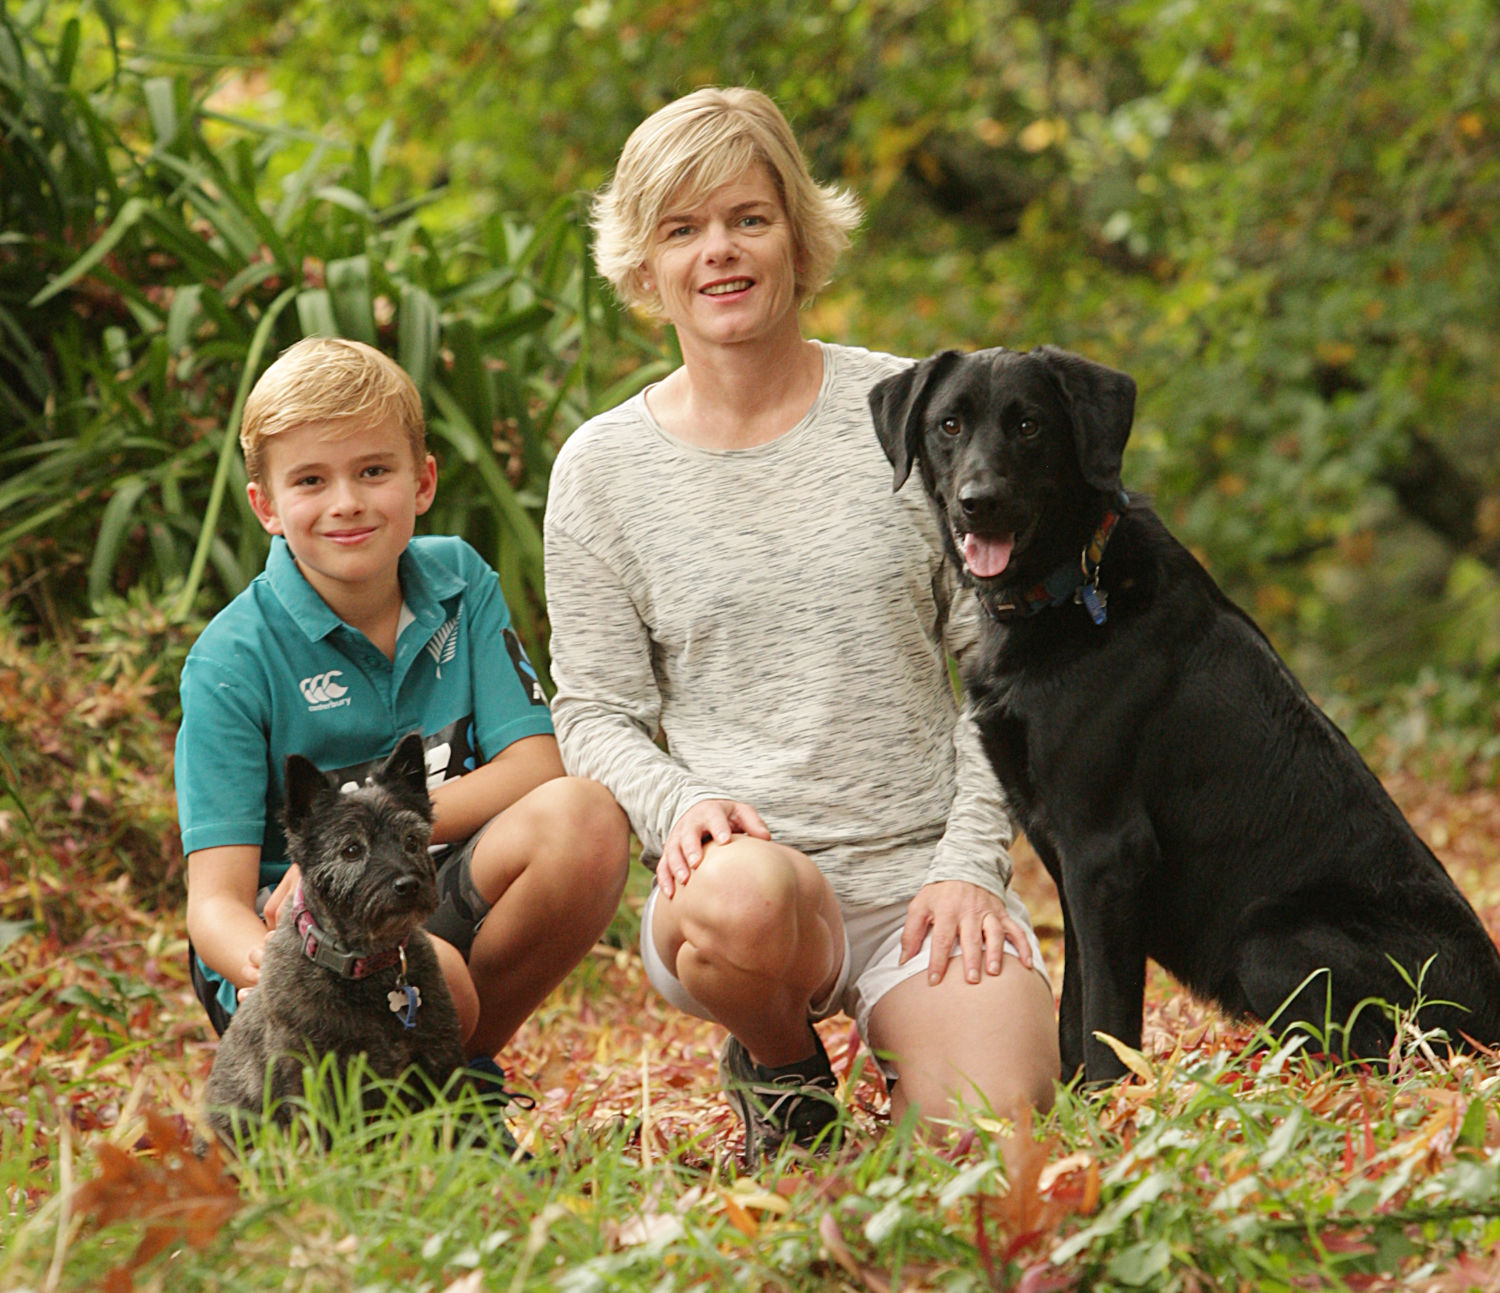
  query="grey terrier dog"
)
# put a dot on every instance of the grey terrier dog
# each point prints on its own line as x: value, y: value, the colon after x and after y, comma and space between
x: 348, y: 970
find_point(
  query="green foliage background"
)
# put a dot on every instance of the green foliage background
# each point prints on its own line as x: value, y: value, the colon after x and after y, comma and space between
x: 1279, y: 215
x: 1281, y: 218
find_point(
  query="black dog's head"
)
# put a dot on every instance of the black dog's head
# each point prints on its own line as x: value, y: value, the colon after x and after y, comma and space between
x: 1014, y: 450
x: 367, y: 876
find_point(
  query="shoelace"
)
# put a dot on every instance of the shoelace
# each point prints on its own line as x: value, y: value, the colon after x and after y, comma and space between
x: 783, y: 1096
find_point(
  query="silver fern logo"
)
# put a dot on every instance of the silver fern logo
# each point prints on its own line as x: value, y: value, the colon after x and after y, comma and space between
x: 442, y: 646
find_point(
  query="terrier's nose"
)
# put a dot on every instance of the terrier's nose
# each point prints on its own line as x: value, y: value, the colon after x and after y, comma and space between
x: 406, y: 886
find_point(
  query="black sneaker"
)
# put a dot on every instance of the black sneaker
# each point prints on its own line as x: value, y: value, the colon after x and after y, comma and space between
x: 486, y: 1079
x: 796, y: 1102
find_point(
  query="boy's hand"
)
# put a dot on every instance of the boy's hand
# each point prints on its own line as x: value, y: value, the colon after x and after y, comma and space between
x: 279, y: 895
x: 250, y: 971
x: 715, y: 819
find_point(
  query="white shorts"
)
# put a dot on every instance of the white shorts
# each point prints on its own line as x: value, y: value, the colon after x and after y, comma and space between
x: 871, y: 966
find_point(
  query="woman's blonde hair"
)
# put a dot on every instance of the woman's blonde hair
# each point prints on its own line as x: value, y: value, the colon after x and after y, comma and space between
x: 329, y: 379
x: 691, y: 147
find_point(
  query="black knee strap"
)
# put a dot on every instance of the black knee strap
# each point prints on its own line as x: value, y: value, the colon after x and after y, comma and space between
x: 461, y: 907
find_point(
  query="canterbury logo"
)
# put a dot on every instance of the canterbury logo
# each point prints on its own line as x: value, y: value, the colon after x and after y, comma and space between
x: 323, y: 688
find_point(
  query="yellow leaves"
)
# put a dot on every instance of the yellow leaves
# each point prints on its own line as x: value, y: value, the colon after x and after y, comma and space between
x: 1130, y: 1058
x: 893, y: 146
x: 990, y: 132
x: 1041, y: 134
x: 749, y: 1207
x: 1335, y: 354
x: 744, y: 1199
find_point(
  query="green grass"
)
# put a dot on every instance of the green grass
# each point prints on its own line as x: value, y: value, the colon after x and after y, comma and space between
x: 1214, y: 1167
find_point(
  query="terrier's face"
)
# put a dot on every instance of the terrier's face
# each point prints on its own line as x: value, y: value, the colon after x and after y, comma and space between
x: 367, y: 876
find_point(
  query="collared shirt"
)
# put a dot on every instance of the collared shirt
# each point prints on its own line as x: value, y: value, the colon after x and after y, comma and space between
x: 277, y: 672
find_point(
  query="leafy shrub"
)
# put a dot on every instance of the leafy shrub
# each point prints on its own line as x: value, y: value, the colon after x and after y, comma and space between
x: 85, y: 801
x: 151, y: 269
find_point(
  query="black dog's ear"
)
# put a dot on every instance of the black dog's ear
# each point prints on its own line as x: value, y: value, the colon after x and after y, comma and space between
x: 406, y: 770
x: 1103, y: 407
x: 303, y: 784
x: 896, y: 404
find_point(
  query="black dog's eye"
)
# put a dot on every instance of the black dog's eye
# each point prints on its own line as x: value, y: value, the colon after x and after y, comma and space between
x: 414, y: 842
x: 352, y: 851
x: 951, y: 425
x: 1029, y: 427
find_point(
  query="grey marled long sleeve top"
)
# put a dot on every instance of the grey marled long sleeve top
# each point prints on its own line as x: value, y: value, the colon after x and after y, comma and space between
x: 780, y: 618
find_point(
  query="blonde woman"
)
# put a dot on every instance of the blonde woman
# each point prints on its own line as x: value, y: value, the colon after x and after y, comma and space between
x: 750, y: 642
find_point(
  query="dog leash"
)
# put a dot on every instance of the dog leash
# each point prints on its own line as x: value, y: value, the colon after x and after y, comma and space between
x: 1064, y: 584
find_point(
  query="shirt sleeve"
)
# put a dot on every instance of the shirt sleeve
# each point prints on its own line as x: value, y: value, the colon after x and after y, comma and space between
x: 975, y: 845
x: 221, y: 761
x: 607, y: 706
x: 508, y: 699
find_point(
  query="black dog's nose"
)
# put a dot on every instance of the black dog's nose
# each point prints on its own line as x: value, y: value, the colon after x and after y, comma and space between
x: 974, y: 498
x: 406, y: 886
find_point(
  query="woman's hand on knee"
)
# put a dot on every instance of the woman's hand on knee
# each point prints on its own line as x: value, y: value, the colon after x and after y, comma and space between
x: 708, y: 819
x: 977, y: 918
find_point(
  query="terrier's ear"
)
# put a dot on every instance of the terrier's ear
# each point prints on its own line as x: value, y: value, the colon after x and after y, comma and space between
x: 406, y: 770
x: 1102, y: 402
x: 303, y: 784
x: 897, y: 404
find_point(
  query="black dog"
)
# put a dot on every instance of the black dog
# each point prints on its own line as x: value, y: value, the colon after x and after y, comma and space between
x: 1189, y: 800
x: 348, y: 969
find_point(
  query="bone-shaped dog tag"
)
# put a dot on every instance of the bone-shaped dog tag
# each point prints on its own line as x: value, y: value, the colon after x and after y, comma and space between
x: 407, y: 997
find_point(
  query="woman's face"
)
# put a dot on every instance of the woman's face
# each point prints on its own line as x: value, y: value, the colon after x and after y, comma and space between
x: 724, y: 264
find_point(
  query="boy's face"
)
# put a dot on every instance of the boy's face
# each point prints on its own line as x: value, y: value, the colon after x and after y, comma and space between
x: 346, y: 502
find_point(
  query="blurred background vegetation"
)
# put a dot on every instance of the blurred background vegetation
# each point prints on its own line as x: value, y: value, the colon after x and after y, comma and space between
x: 1281, y: 216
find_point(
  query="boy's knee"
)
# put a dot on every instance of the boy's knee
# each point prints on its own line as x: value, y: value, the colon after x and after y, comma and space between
x: 460, y: 986
x: 600, y: 822
x: 574, y: 826
x: 597, y: 825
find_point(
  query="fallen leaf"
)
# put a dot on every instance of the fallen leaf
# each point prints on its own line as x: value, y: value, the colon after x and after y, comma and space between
x: 180, y: 1197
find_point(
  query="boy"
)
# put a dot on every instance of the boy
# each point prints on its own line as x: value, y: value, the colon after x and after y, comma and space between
x: 355, y: 634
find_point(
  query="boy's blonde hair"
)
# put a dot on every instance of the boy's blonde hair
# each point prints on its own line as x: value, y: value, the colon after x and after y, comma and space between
x: 691, y: 147
x: 329, y: 379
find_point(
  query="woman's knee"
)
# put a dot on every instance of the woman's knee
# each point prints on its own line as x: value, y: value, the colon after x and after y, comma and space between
x: 968, y: 1047
x: 747, y: 897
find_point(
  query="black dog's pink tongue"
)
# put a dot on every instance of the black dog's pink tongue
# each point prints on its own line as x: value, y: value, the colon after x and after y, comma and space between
x: 987, y: 558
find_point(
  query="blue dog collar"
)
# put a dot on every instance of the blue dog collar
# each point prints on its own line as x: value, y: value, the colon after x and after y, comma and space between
x: 1068, y: 583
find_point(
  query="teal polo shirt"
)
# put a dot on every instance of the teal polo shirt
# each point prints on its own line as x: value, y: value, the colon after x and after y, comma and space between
x: 276, y: 672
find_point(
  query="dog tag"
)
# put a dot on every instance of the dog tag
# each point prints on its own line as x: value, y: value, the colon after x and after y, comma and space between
x: 407, y: 997
x: 1094, y: 602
